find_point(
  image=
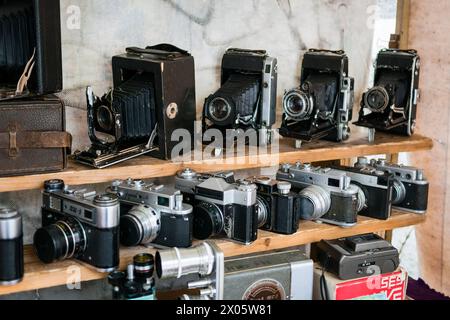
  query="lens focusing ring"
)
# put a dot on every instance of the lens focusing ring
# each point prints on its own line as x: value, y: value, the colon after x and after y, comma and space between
x: 382, y: 99
x: 398, y: 192
x: 297, y: 104
x: 361, y: 199
x: 262, y: 209
x: 208, y: 220
x: 318, y: 198
x: 141, y: 225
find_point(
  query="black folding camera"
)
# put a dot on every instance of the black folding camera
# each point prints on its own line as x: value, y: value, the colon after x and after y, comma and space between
x: 322, y: 107
x: 356, y: 257
x: 221, y: 207
x: 391, y: 105
x: 325, y: 194
x: 375, y: 189
x: 78, y: 224
x: 410, y: 187
x: 153, y: 96
x: 247, y: 97
x: 30, y: 48
x: 152, y: 214
x: 276, y: 205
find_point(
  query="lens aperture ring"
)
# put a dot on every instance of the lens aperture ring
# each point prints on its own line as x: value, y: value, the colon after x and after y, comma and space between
x: 320, y: 200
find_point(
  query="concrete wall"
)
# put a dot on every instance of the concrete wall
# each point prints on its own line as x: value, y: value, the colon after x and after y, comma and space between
x: 429, y: 34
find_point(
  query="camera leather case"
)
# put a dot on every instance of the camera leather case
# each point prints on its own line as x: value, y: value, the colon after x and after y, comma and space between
x: 30, y: 40
x: 32, y: 136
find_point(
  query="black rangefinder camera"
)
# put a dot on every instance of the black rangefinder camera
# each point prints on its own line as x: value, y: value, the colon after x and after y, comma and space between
x: 80, y: 224
x: 247, y: 97
x: 322, y: 107
x: 276, y: 205
x: 391, y: 104
x: 152, y: 214
x: 221, y: 208
x: 410, y: 187
x: 153, y: 96
x: 325, y: 194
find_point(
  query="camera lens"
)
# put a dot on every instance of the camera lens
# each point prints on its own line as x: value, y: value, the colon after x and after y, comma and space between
x: 262, y: 209
x: 175, y: 263
x: 297, y: 104
x: 140, y: 225
x: 144, y: 265
x: 361, y: 199
x: 105, y: 118
x: 219, y: 109
x: 208, y: 221
x: 315, y: 202
x: 11, y: 247
x: 398, y: 192
x: 377, y: 99
x: 63, y: 240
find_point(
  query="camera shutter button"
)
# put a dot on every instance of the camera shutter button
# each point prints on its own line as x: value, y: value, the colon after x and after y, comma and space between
x: 284, y: 187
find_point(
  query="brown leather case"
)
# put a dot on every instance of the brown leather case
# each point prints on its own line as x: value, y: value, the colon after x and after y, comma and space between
x: 32, y: 136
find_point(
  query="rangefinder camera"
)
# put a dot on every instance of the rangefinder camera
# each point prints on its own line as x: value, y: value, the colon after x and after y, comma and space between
x: 247, y: 96
x: 222, y: 208
x: 410, y: 187
x: 375, y: 189
x: 77, y: 223
x: 276, y: 205
x: 325, y: 194
x: 391, y: 104
x: 152, y: 214
x: 322, y: 106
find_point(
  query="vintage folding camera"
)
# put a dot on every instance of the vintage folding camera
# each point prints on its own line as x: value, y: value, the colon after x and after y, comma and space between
x: 391, y: 104
x: 202, y: 273
x: 356, y: 257
x: 153, y: 96
x: 322, y: 107
x: 30, y: 48
x: 152, y: 214
x: 410, y: 187
x: 375, y: 189
x: 222, y: 208
x: 247, y: 98
x: 137, y: 283
x: 325, y: 194
x: 79, y: 224
x: 276, y: 205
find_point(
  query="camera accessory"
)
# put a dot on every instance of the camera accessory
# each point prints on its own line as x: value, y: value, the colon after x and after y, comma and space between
x: 322, y: 106
x: 138, y: 283
x: 152, y: 214
x: 11, y: 247
x: 410, y: 187
x: 391, y: 104
x: 325, y: 194
x: 145, y: 107
x: 247, y: 97
x: 375, y: 189
x: 30, y: 46
x: 276, y: 205
x: 268, y: 276
x: 356, y: 257
x: 80, y: 224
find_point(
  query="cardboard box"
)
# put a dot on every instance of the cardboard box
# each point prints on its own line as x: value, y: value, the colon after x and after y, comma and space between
x: 391, y: 286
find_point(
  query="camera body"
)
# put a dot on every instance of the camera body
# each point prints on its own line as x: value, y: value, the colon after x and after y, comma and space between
x: 325, y: 194
x: 322, y: 107
x: 78, y: 224
x: 410, y: 187
x: 276, y: 205
x: 222, y: 208
x: 247, y: 97
x: 391, y: 105
x: 153, y: 96
x: 375, y: 190
x: 11, y: 247
x: 152, y: 214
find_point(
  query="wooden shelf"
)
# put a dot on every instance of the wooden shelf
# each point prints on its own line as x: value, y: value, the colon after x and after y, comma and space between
x: 39, y: 275
x: 146, y: 167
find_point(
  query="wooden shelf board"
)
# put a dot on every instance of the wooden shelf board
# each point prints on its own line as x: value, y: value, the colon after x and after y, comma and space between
x: 39, y: 275
x: 146, y: 167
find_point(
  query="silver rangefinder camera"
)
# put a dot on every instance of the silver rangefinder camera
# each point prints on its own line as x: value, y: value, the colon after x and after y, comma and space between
x: 326, y: 195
